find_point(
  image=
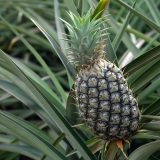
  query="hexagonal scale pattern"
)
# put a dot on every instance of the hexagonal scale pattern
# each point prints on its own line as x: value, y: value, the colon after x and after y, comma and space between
x: 105, y: 102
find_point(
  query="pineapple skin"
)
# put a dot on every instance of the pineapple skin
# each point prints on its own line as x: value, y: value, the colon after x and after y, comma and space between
x: 106, y: 104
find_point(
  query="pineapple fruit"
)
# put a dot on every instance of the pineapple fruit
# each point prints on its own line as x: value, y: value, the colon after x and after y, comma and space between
x: 106, y: 103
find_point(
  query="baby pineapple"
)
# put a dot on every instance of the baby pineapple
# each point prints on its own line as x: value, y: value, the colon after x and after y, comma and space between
x: 106, y: 104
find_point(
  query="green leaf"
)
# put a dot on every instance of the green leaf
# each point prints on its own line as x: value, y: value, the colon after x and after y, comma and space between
x: 71, y: 6
x: 25, y: 150
x: 154, y: 11
x: 60, y: 30
x: 152, y: 108
x: 141, y: 71
x: 146, y: 92
x: 17, y: 92
x: 110, y: 53
x: 151, y: 117
x: 142, y: 60
x: 148, y: 21
x: 38, y: 38
x: 7, y: 139
x: 145, y: 151
x: 147, y: 135
x: 60, y: 27
x: 80, y: 7
x: 125, y: 38
x: 53, y: 41
x: 51, y: 111
x: 95, y: 144
x: 71, y: 108
x: 99, y: 9
x: 24, y: 98
x: 117, y: 40
x: 41, y: 85
x: 30, y: 135
x: 153, y: 126
x: 147, y: 78
x: 59, y: 88
x: 21, y: 86
x: 147, y: 38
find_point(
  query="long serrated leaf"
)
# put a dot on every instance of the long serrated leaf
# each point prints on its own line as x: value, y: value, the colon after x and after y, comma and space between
x: 137, y: 74
x: 23, y: 97
x: 142, y: 60
x: 25, y: 150
x: 99, y: 9
x: 59, y: 88
x: 29, y: 134
x: 42, y: 85
x: 60, y: 27
x: 146, y: 77
x: 146, y: 136
x: 110, y: 53
x: 17, y: 92
x: 141, y: 15
x: 33, y: 17
x: 146, y: 92
x: 152, y: 108
x: 117, y: 40
x: 145, y: 151
x: 125, y: 38
x: 154, y: 11
x: 71, y: 108
x: 51, y: 111
x: 71, y: 6
x: 153, y: 126
x: 60, y: 31
x: 35, y: 79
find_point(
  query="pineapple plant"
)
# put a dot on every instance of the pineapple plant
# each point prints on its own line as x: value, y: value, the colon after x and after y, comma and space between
x: 106, y: 103
x: 38, y: 118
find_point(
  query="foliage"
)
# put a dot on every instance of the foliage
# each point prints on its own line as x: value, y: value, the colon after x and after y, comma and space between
x: 38, y: 116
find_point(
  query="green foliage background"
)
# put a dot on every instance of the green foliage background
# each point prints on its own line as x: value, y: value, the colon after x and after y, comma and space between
x: 38, y: 118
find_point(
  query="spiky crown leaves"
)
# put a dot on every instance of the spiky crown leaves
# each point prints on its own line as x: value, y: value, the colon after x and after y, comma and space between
x: 86, y: 38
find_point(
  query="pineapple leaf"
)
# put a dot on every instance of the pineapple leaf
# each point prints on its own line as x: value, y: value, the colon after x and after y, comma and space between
x: 118, y: 37
x: 22, y: 149
x: 46, y: 30
x: 145, y: 151
x: 30, y: 133
x: 152, y: 108
x: 41, y: 98
x: 86, y: 35
x: 40, y: 60
x: 71, y: 108
x: 142, y: 60
x: 99, y: 9
x: 147, y: 20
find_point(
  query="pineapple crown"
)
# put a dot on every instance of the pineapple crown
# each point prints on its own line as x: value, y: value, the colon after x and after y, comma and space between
x: 86, y: 39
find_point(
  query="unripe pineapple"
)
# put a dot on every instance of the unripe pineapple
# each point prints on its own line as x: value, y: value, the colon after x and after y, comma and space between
x: 105, y: 102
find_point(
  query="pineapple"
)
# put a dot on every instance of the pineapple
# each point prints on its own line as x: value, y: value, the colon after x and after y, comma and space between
x: 106, y: 103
